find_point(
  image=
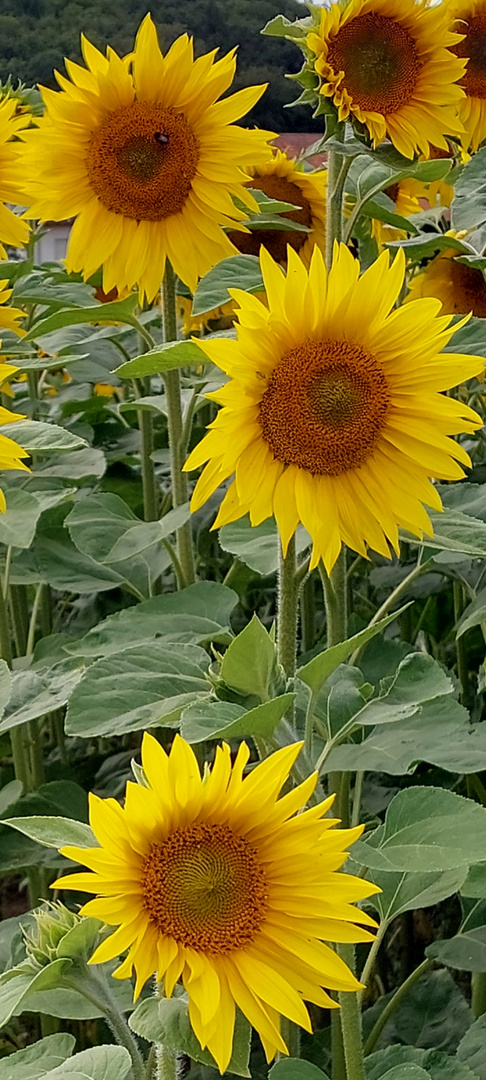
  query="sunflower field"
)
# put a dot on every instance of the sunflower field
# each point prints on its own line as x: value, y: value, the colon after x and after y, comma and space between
x: 243, y: 560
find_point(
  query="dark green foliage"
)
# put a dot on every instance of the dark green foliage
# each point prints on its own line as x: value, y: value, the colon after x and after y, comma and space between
x: 36, y: 35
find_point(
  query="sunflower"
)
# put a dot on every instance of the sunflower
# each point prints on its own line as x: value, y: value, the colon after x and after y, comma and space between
x: 220, y: 883
x: 13, y: 230
x: 460, y: 288
x: 332, y: 416
x: 388, y: 64
x: 143, y: 156
x: 283, y: 179
x: 472, y: 109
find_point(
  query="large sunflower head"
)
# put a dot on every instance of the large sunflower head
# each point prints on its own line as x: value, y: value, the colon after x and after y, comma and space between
x: 388, y: 65
x: 283, y: 179
x: 11, y: 454
x: 222, y: 884
x: 461, y: 289
x: 333, y: 415
x: 13, y: 230
x: 472, y: 108
x: 146, y: 159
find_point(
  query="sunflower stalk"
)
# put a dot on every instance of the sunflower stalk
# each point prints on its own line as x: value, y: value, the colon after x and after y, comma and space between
x: 351, y: 1021
x: 93, y: 985
x: 338, y: 167
x: 288, y: 601
x: 175, y: 426
x: 166, y: 1063
x: 150, y: 507
x: 335, y: 597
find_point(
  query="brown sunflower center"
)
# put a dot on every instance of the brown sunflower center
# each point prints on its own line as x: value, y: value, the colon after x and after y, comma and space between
x: 204, y: 886
x: 468, y: 289
x: 142, y: 160
x: 474, y: 47
x: 436, y: 152
x: 380, y: 62
x: 325, y: 406
x: 393, y: 192
x: 276, y: 240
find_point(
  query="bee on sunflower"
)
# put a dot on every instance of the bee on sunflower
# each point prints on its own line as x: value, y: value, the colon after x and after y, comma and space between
x: 146, y: 159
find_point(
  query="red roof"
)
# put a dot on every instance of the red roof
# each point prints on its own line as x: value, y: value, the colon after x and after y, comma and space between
x: 293, y: 143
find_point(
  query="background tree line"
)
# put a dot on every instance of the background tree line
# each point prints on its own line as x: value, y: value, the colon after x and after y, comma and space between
x: 36, y: 35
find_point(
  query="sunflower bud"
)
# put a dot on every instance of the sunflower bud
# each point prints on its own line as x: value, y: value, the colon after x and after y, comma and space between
x: 52, y: 923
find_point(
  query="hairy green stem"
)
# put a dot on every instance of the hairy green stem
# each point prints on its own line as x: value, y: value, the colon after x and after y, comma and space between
x: 461, y: 650
x: 307, y: 614
x: 94, y: 987
x: 370, y: 959
x: 149, y: 483
x: 19, y: 755
x: 287, y: 612
x: 291, y: 1037
x: 166, y: 1063
x: 33, y: 618
x: 175, y: 427
x: 337, y: 170
x: 351, y: 1021
x: 338, y: 1068
x: 335, y: 593
x: 393, y: 1004
x: 20, y: 617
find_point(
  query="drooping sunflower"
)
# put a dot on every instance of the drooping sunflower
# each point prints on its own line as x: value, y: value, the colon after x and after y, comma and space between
x: 222, y: 884
x: 13, y: 230
x: 284, y: 179
x: 388, y: 64
x: 472, y: 108
x: 146, y: 159
x: 459, y: 288
x: 333, y: 415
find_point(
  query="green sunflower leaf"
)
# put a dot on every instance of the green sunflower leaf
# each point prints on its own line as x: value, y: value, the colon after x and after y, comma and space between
x: 237, y: 272
x: 315, y: 673
x: 144, y: 686
x: 166, y: 357
x: 472, y: 1048
x: 296, y: 1069
x: 280, y: 26
x: 426, y: 829
x: 39, y: 438
x: 120, y: 311
x: 54, y: 832
x: 18, y: 982
x: 98, y: 1063
x: 167, y: 1022
x: 468, y: 210
x: 224, y: 720
x: 34, y: 1061
x: 437, y: 1064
